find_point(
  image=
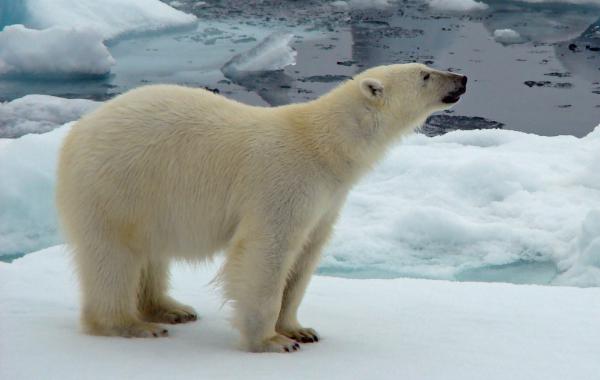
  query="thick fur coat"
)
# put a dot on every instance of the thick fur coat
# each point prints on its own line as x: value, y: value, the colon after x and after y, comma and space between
x: 166, y: 172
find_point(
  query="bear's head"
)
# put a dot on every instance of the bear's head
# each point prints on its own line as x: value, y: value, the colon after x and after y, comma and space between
x: 403, y: 95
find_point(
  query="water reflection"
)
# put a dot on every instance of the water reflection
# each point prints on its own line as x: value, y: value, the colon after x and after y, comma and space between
x: 338, y: 44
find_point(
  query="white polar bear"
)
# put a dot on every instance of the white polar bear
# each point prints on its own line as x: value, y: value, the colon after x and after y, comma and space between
x: 167, y: 172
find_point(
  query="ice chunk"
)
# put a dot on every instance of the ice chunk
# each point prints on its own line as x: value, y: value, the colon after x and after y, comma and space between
x: 361, y: 4
x: 40, y: 114
x: 27, y: 171
x: 110, y: 18
x: 457, y: 5
x: 272, y: 53
x: 507, y: 36
x: 55, y: 51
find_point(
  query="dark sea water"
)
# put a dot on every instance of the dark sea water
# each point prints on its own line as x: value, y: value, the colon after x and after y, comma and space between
x: 549, y: 84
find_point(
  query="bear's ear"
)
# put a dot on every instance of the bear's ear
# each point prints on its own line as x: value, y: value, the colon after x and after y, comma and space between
x: 371, y: 88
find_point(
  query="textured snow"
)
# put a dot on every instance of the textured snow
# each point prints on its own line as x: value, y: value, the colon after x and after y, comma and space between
x: 40, y: 114
x: 370, y: 329
x: 457, y: 5
x: 474, y: 205
x: 54, y: 51
x: 110, y: 18
x: 272, y: 53
x: 507, y: 36
x: 493, y: 205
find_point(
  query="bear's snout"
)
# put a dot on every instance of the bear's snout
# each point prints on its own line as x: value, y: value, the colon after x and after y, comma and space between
x: 460, y: 87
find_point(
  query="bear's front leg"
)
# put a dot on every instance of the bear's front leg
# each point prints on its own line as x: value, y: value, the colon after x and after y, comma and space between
x: 298, y: 279
x: 254, y: 277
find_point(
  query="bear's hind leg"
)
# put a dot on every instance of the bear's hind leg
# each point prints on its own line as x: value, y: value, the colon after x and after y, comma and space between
x: 253, y: 278
x: 153, y: 302
x: 109, y: 276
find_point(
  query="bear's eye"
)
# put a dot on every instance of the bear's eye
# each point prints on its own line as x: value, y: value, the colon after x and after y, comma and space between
x: 426, y: 76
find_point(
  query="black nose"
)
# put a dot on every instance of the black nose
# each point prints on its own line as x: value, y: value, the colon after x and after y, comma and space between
x: 464, y: 80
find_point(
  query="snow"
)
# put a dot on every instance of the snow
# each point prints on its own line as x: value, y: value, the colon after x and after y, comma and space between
x: 40, y: 114
x: 55, y: 51
x: 586, y: 268
x: 457, y: 5
x: 109, y: 18
x: 507, y: 36
x: 370, y: 329
x: 474, y: 205
x: 493, y: 205
x: 272, y: 53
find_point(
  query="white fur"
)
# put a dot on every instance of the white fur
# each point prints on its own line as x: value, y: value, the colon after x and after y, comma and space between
x: 172, y: 172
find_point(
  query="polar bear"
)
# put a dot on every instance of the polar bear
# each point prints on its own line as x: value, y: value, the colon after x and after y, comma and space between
x: 168, y: 172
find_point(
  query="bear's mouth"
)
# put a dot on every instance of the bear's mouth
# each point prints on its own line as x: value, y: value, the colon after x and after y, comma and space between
x: 454, y: 96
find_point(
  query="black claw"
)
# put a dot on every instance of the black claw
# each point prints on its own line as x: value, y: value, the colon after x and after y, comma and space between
x: 177, y: 320
x: 165, y: 331
x: 155, y: 335
x: 286, y: 349
x: 316, y: 338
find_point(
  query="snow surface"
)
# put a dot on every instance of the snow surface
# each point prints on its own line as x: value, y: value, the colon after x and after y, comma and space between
x: 109, y: 18
x: 54, y: 51
x: 272, y: 53
x: 40, y: 114
x: 370, y: 329
x: 492, y: 205
x: 457, y: 5
x: 507, y: 36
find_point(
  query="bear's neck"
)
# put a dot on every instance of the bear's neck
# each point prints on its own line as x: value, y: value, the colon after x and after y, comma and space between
x: 346, y: 136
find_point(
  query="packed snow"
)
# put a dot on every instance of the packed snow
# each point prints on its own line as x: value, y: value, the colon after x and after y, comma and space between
x: 109, y: 18
x: 40, y: 114
x: 457, y: 5
x: 54, y: 51
x: 507, y: 36
x: 370, y: 329
x: 272, y: 53
x: 494, y: 205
